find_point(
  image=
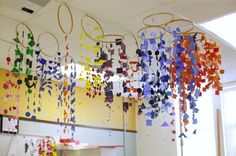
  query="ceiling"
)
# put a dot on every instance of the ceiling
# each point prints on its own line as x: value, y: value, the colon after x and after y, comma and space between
x: 116, y: 16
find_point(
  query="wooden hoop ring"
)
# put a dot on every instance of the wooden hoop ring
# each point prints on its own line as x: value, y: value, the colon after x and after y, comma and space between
x: 181, y: 20
x: 147, y: 27
x: 43, y: 52
x: 17, y: 33
x: 158, y: 14
x: 59, y: 20
x: 113, y: 41
x: 86, y: 33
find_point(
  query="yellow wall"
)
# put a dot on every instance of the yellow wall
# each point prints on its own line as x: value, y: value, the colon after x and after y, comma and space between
x: 89, y: 111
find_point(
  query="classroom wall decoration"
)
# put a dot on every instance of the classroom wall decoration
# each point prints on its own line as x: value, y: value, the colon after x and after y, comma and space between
x: 171, y: 62
x: 9, y: 125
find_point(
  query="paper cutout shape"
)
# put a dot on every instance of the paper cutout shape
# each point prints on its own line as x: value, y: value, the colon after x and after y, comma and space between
x: 148, y: 123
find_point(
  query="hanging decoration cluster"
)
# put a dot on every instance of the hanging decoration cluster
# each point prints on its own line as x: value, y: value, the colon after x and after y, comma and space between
x: 186, y: 65
x: 183, y: 66
x: 40, y: 69
x: 170, y: 63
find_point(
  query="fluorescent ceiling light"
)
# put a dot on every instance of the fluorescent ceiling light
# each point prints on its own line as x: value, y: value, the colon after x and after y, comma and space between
x: 82, y: 71
x: 224, y: 27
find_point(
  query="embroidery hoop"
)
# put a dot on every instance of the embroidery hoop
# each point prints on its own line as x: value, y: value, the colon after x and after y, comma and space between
x: 59, y: 19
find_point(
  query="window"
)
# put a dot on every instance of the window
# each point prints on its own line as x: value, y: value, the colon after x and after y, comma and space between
x: 203, y: 143
x: 229, y: 117
x: 223, y: 27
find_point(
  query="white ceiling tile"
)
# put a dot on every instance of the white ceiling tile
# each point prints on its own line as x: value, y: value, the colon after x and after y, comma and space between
x: 136, y: 23
x: 199, y: 11
x: 8, y: 34
x: 116, y: 16
x: 12, y: 9
x: 115, y: 10
x: 49, y: 22
x: 6, y: 23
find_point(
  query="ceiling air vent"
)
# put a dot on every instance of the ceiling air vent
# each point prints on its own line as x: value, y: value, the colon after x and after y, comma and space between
x: 27, y: 10
x: 21, y: 10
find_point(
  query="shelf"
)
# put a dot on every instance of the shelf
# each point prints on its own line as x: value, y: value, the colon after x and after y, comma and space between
x: 82, y: 147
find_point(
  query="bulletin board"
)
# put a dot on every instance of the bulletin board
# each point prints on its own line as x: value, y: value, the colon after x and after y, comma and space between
x: 90, y: 112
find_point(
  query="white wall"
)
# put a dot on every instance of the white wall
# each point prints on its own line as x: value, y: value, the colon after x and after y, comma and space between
x: 204, y: 141
x: 154, y: 140
x: 85, y: 135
